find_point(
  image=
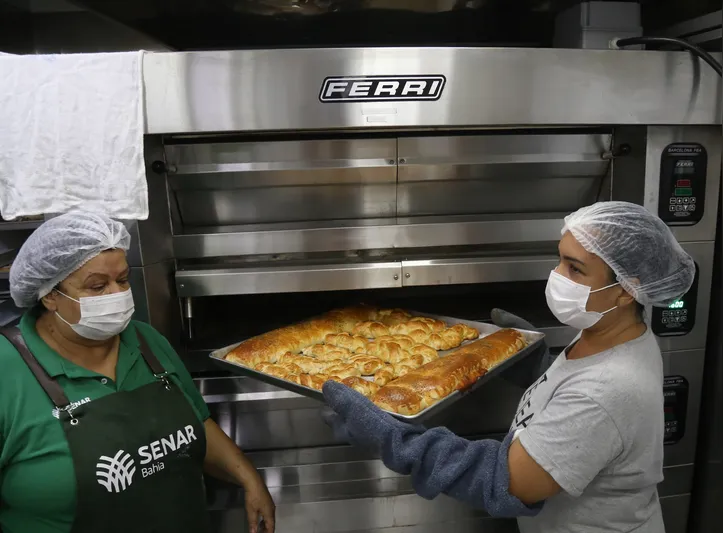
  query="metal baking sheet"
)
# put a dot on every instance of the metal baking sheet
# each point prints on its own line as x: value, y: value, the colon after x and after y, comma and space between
x: 534, y: 340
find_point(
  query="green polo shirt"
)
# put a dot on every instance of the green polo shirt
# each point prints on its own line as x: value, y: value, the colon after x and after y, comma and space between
x: 37, y: 479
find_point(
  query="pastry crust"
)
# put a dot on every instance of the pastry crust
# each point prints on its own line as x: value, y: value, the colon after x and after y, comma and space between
x: 342, y: 371
x: 273, y: 344
x: 392, y: 317
x: 423, y: 387
x: 370, y: 329
x: 402, y: 340
x: 366, y: 364
x: 326, y: 352
x: 361, y: 385
x: 389, y: 352
x: 384, y: 375
x: 353, y: 343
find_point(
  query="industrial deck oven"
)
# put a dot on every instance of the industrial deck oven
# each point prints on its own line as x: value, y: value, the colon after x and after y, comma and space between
x: 287, y: 182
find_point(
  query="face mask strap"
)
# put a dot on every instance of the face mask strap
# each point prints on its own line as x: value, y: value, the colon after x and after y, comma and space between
x: 68, y: 297
x: 605, y: 288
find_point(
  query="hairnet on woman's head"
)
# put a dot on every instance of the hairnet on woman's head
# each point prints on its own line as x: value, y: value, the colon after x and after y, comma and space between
x: 60, y: 247
x: 639, y: 248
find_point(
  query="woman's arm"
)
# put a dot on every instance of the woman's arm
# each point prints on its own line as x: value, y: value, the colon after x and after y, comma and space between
x: 226, y: 462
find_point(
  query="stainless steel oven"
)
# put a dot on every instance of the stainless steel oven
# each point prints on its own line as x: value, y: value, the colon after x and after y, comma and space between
x: 287, y: 182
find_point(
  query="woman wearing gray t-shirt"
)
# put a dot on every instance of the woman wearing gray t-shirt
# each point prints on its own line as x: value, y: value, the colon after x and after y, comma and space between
x: 585, y: 448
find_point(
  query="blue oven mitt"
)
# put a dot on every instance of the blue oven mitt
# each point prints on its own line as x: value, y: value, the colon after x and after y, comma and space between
x: 523, y: 375
x: 475, y: 472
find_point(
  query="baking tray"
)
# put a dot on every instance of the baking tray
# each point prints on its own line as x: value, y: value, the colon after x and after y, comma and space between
x: 533, y: 338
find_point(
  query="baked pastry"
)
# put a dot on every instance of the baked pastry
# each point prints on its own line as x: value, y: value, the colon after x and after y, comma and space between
x: 434, y: 325
x: 278, y: 370
x: 361, y: 385
x: 468, y: 333
x: 389, y: 352
x: 445, y: 339
x: 273, y: 344
x: 353, y: 343
x: 370, y: 330
x: 418, y: 331
x: 402, y: 340
x: 342, y: 371
x: 392, y: 317
x: 309, y: 365
x: 326, y: 352
x: 313, y: 382
x: 423, y: 387
x: 366, y: 364
x: 384, y: 375
x: 428, y: 353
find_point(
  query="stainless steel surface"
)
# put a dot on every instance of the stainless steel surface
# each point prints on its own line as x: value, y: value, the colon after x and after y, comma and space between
x: 155, y: 299
x: 710, y: 137
x: 484, y: 174
x: 702, y: 253
x: 271, y: 90
x: 226, y: 184
x: 477, y: 270
x: 310, y: 278
x: 533, y: 339
x: 399, y: 233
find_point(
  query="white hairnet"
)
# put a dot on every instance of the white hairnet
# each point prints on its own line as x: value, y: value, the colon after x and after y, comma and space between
x: 60, y: 247
x: 639, y: 248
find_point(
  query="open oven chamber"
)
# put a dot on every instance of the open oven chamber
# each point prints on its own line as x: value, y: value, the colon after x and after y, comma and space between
x: 261, y: 216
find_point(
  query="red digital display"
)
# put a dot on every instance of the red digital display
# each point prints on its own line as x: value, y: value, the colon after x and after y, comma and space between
x: 682, y: 183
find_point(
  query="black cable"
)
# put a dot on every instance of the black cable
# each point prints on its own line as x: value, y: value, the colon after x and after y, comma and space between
x: 685, y: 45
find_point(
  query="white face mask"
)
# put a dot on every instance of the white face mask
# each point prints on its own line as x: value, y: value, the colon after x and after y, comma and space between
x: 568, y: 301
x: 102, y: 317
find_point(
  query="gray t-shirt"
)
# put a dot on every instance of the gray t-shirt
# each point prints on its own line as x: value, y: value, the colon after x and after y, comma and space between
x: 596, y: 426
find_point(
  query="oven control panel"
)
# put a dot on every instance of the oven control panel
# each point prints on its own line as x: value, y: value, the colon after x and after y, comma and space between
x: 679, y: 317
x: 683, y: 170
x: 675, y: 405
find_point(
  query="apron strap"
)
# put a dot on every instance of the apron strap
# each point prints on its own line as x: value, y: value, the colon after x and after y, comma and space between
x: 49, y: 385
x: 151, y: 360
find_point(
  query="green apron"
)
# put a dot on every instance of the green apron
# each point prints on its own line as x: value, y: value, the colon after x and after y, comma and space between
x: 138, y: 455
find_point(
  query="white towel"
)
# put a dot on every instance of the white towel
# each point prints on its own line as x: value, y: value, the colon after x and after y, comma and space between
x: 71, y: 135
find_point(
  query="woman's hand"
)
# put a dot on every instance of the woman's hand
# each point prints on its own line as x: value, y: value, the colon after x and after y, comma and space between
x: 259, y: 506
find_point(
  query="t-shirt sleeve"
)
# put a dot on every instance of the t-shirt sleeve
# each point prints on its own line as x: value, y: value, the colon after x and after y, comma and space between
x: 184, y: 378
x: 573, y: 438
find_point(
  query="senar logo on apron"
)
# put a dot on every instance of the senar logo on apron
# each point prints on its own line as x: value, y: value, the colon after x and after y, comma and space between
x: 116, y: 473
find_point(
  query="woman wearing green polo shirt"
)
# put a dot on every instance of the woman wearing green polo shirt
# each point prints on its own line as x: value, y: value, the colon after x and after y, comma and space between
x: 101, y: 427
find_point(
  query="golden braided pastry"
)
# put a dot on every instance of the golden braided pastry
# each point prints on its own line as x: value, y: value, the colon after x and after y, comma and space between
x: 309, y: 365
x: 428, y: 353
x: 392, y: 317
x: 389, y: 352
x: 468, y: 333
x: 423, y: 387
x: 353, y: 343
x: 384, y: 376
x: 402, y: 340
x: 445, y: 339
x: 278, y: 370
x: 370, y: 330
x: 313, y: 382
x: 326, y: 352
x: 273, y: 344
x: 361, y: 385
x: 434, y: 325
x: 418, y: 331
x: 366, y: 364
x: 342, y: 371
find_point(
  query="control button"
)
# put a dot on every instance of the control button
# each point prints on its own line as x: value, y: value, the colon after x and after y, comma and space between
x: 686, y: 200
x: 691, y: 208
x: 684, y: 319
x: 679, y: 200
x: 671, y: 209
x: 665, y: 320
x: 684, y: 311
x: 692, y: 199
x: 672, y: 200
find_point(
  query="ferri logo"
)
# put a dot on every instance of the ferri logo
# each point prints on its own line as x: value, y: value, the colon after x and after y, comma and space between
x: 115, y: 473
